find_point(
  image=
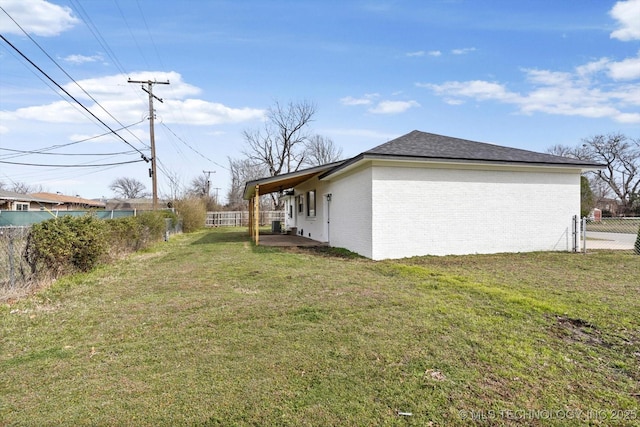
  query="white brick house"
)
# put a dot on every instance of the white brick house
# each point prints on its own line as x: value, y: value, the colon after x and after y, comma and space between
x: 427, y: 194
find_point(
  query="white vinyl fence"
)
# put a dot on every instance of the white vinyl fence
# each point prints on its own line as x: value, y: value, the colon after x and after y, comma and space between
x: 241, y: 218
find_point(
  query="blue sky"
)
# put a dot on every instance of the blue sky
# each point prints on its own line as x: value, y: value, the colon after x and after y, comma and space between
x: 528, y: 74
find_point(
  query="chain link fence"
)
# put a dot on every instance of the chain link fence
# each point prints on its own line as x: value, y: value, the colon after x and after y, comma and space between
x: 619, y: 234
x: 14, y: 270
x: 16, y: 278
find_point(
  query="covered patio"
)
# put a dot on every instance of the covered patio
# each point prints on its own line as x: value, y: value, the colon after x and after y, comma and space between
x: 254, y: 189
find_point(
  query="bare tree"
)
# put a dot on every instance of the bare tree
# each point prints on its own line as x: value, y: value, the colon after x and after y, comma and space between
x: 176, y: 189
x: 280, y: 145
x: 24, y: 188
x: 128, y: 188
x: 320, y: 150
x: 242, y: 170
x: 621, y: 156
x: 199, y: 186
x: 621, y: 175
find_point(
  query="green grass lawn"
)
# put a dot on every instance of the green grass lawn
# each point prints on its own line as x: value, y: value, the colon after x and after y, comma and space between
x: 209, y: 330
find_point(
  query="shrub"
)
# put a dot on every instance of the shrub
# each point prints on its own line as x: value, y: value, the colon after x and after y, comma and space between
x: 130, y: 234
x: 193, y: 212
x: 123, y: 234
x: 69, y: 244
x: 66, y: 244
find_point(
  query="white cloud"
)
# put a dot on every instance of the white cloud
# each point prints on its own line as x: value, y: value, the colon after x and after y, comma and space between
x: 434, y: 53
x: 478, y: 89
x: 37, y: 17
x: 627, y: 13
x: 628, y: 118
x: 199, y: 112
x: 628, y: 69
x: 382, y: 107
x: 593, y: 67
x: 418, y: 53
x: 129, y: 104
x: 463, y: 51
x: 585, y: 92
x: 393, y: 107
x: 367, y: 99
x: 81, y: 59
x: 56, y: 112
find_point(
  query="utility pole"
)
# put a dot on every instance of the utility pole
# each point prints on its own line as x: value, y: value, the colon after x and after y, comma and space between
x: 217, y: 188
x: 153, y: 170
x: 208, y: 173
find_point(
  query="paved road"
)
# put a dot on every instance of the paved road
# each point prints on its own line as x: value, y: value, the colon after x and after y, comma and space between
x: 621, y: 241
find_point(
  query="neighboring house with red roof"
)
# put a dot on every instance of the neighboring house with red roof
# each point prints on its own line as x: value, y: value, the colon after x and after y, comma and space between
x: 12, y: 201
x: 71, y: 203
x: 427, y: 194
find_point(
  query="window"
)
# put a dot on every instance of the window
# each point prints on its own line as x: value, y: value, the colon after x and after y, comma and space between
x: 311, y: 203
x: 300, y: 200
x: 22, y: 206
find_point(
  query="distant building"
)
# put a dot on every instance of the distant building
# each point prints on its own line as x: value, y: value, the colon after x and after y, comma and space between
x: 11, y: 201
x: 609, y: 207
x: 142, y: 204
x: 71, y: 203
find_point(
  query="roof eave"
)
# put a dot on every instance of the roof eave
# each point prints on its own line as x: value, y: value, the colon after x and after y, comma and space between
x: 272, y: 184
x: 355, y: 161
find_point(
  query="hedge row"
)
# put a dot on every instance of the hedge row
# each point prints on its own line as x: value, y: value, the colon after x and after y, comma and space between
x: 70, y: 244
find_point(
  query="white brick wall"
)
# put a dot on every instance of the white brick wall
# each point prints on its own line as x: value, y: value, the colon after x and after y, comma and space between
x: 442, y: 211
x: 351, y: 213
x: 312, y: 227
x: 388, y: 210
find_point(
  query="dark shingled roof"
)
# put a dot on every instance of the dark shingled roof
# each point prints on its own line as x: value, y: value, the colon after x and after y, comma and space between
x: 429, y: 146
x: 432, y: 146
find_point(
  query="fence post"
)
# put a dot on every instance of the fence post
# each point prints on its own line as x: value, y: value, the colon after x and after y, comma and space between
x: 12, y: 276
x: 584, y: 234
x: 574, y: 233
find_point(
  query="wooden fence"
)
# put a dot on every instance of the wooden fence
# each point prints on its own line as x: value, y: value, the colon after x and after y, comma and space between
x: 241, y: 218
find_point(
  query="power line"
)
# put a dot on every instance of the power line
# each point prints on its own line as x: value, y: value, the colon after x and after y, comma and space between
x: 144, y: 157
x: 98, y: 36
x: 71, y: 166
x: 124, y: 18
x: 193, y: 149
x: 67, y: 74
x: 46, y: 150
x: 155, y: 47
x: 47, y: 83
x: 25, y: 152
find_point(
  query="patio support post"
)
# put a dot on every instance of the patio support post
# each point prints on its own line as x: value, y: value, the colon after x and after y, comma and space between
x: 256, y: 214
x: 250, y: 222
